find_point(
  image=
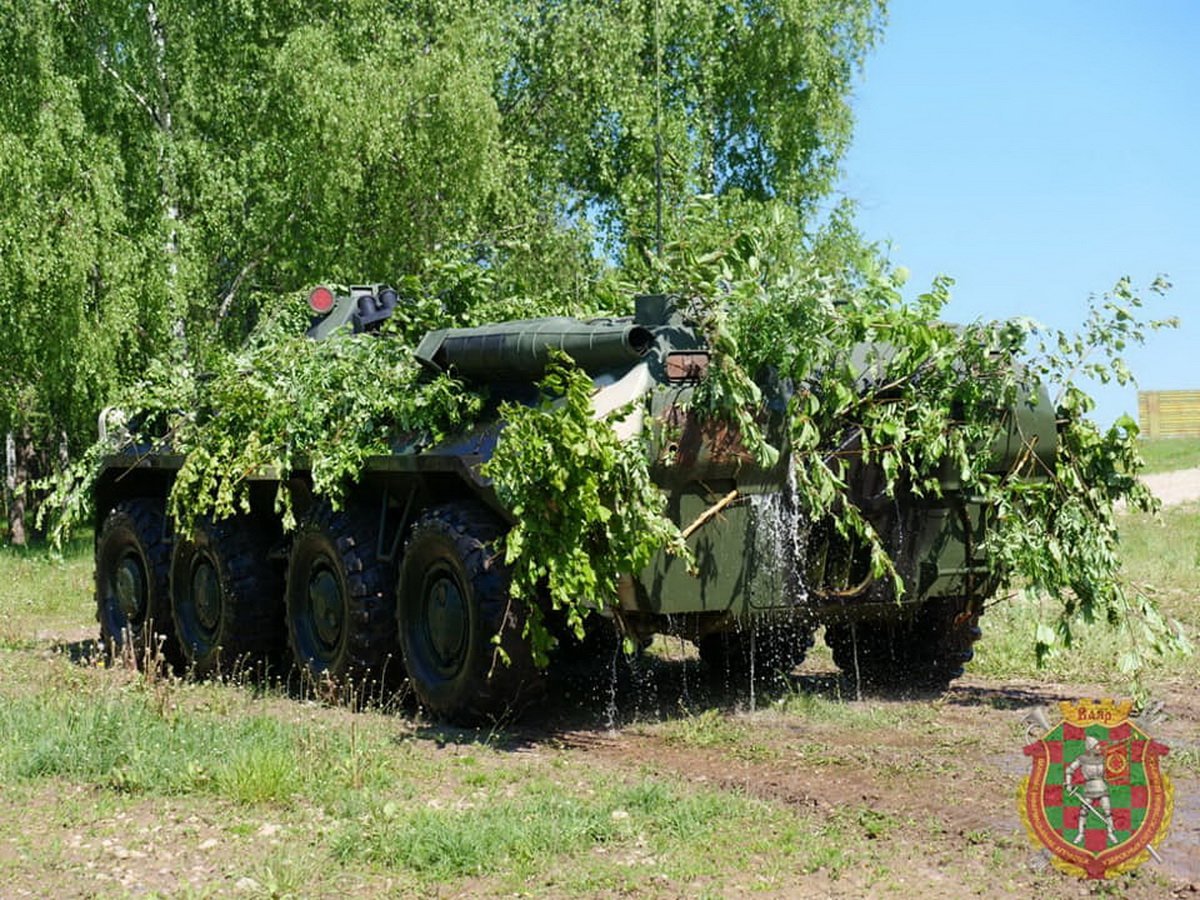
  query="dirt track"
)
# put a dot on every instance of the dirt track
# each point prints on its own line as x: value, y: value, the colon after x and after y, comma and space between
x: 944, y: 770
x: 1175, y: 487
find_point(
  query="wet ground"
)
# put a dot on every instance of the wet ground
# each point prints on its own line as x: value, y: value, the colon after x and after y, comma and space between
x: 945, y: 767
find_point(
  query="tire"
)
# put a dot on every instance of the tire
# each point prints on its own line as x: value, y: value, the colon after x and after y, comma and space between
x: 226, y: 597
x: 132, y: 601
x: 339, y: 603
x: 452, y: 601
x: 768, y: 647
x: 925, y: 652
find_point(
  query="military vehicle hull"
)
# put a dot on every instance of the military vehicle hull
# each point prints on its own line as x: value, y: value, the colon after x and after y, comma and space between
x: 402, y: 581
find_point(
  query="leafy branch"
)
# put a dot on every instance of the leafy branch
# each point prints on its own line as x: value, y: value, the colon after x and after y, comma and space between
x: 852, y: 380
x: 285, y: 403
x: 588, y: 513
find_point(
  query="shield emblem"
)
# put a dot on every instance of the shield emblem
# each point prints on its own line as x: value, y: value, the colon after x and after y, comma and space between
x: 1097, y: 798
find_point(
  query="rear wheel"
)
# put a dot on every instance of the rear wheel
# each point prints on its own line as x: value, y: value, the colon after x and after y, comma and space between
x: 452, y: 601
x: 132, y: 561
x: 925, y: 652
x: 340, y: 607
x: 226, y: 597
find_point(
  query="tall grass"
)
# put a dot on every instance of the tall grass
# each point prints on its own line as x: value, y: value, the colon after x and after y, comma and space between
x: 120, y: 742
x: 1159, y: 555
x: 139, y: 734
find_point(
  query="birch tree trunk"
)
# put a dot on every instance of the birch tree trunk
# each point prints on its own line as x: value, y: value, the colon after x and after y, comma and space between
x: 18, y: 458
x: 168, y: 178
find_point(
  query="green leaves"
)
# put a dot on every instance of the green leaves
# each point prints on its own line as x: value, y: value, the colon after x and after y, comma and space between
x: 280, y: 406
x: 875, y: 381
x: 170, y: 170
x: 587, y: 512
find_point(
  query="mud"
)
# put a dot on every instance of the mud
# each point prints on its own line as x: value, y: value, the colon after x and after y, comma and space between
x: 948, y: 768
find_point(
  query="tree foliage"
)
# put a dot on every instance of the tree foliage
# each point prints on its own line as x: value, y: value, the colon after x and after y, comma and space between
x: 744, y: 101
x: 869, y: 380
x: 172, y: 167
x: 588, y: 513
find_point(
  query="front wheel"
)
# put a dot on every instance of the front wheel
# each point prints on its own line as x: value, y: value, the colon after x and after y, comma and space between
x: 132, y: 559
x: 457, y: 619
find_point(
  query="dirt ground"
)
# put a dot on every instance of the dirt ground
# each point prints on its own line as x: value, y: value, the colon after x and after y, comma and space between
x: 949, y: 778
x: 1175, y: 487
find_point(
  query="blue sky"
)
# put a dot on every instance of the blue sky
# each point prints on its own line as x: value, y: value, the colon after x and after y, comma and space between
x: 1037, y: 152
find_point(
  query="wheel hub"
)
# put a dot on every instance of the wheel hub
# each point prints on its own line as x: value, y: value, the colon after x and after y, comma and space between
x: 206, y: 594
x: 129, y: 585
x: 446, y: 615
x: 325, y: 601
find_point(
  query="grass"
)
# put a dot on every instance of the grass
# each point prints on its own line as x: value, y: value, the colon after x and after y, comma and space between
x: 44, y: 592
x: 365, y: 799
x: 361, y: 799
x: 298, y: 799
x: 1164, y: 552
x: 117, y: 731
x: 710, y: 728
x: 515, y: 830
x: 1170, y: 454
x: 861, y: 717
x: 1160, y: 555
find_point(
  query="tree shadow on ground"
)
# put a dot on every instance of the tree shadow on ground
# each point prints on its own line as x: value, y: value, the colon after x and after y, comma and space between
x: 87, y: 652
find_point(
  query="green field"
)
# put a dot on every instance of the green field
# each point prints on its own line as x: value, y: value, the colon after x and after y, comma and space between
x: 1170, y: 454
x: 1161, y: 556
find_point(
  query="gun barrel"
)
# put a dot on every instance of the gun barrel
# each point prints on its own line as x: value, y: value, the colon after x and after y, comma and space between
x: 520, y: 350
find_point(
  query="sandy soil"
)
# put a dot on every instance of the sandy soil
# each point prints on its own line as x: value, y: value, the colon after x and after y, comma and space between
x: 1175, y: 487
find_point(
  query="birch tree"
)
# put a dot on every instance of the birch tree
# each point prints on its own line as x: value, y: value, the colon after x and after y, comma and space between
x: 171, y: 168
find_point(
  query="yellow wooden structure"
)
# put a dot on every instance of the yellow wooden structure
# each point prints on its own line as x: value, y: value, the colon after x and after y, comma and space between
x: 1169, y: 413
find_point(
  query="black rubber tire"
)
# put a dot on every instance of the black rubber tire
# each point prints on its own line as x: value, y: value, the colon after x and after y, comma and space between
x: 133, y: 552
x: 925, y: 652
x: 339, y: 600
x: 769, y: 647
x: 226, y: 596
x: 452, y: 600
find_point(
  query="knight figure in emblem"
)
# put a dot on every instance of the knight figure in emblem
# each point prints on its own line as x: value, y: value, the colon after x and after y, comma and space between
x: 1094, y: 793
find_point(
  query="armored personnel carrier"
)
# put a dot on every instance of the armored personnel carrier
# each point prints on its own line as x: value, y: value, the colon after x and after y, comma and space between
x: 404, y: 580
